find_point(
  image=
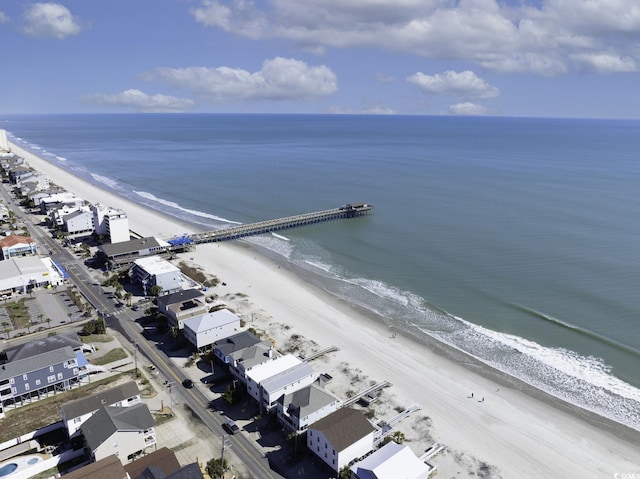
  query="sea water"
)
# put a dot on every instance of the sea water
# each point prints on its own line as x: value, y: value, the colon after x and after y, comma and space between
x: 513, y: 240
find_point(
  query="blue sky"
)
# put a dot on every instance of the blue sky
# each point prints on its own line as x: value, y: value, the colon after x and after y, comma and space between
x: 539, y: 58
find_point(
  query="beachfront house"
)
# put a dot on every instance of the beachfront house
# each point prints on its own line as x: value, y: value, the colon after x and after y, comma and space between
x: 124, y: 431
x: 34, y: 182
x: 78, y: 222
x: 27, y: 377
x: 111, y: 222
x: 391, y: 461
x: 283, y: 374
x: 299, y: 409
x: 126, y: 252
x: 16, y: 246
x: 224, y: 348
x: 75, y: 413
x: 244, y: 360
x: 205, y: 329
x: 179, y: 306
x: 20, y: 275
x: 156, y: 271
x: 341, y: 437
x: 61, y: 198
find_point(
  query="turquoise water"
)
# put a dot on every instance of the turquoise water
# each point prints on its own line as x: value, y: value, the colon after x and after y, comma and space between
x: 514, y: 240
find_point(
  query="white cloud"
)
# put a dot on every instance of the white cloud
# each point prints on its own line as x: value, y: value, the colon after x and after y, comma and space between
x: 141, y: 102
x: 605, y: 63
x: 279, y: 79
x: 468, y: 109
x: 3, y: 18
x: 50, y: 20
x: 465, y: 85
x: 538, y: 36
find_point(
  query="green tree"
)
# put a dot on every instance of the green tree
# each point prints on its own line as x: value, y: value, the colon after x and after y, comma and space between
x: 155, y: 290
x: 228, y: 395
x: 48, y: 320
x: 216, y: 467
x: 345, y: 473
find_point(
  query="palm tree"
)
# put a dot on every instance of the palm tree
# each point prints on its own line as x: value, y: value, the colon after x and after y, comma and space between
x: 127, y: 297
x: 48, y: 320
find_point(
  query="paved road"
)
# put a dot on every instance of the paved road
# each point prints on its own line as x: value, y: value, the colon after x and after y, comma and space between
x: 123, y: 321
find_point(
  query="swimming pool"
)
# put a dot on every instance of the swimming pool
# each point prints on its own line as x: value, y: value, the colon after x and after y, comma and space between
x: 18, y: 463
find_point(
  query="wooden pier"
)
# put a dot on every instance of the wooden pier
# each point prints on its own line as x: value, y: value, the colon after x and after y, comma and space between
x: 236, y: 232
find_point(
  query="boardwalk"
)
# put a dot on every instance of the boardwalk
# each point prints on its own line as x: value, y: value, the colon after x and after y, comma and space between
x: 236, y: 232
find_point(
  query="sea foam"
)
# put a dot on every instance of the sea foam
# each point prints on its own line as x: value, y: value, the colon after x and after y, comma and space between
x: 174, y: 205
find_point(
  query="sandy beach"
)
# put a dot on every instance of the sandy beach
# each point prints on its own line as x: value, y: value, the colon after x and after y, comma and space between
x: 504, y: 430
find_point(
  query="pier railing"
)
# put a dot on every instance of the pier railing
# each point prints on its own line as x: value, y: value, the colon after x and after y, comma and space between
x: 237, y: 232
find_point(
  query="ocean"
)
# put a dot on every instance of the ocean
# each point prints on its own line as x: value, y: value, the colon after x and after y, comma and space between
x: 513, y: 240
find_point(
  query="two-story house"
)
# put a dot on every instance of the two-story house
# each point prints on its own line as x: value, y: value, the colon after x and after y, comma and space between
x: 341, y: 437
x: 224, y: 348
x: 204, y: 330
x: 75, y: 413
x: 299, y: 409
x: 182, y: 305
x: 123, y: 431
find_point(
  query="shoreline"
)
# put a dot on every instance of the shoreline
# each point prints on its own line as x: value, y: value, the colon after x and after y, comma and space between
x: 367, y: 331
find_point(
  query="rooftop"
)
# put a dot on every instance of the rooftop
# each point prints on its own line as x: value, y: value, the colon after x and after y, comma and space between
x: 155, y: 265
x: 108, y: 420
x: 96, y: 401
x: 344, y: 427
x: 269, y: 369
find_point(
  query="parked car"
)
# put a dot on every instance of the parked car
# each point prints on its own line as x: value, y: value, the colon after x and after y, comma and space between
x: 231, y: 427
x: 187, y: 383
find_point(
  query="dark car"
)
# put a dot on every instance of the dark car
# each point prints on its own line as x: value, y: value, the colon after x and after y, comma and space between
x: 231, y: 427
x: 187, y: 383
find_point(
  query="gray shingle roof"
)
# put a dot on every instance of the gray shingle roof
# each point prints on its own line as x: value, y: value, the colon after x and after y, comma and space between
x: 344, y: 427
x: 40, y: 346
x: 307, y: 400
x: 35, y: 363
x: 104, y: 398
x: 236, y: 342
x: 108, y: 420
x: 180, y: 296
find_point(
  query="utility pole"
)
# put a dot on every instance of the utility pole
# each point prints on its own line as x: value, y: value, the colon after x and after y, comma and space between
x: 225, y: 445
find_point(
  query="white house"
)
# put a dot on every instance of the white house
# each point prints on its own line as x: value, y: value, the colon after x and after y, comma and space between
x: 204, y: 330
x: 111, y: 222
x: 299, y: 409
x: 284, y: 382
x: 341, y: 437
x: 156, y: 271
x: 269, y: 380
x: 392, y: 461
x: 244, y: 360
x: 76, y: 413
x: 58, y: 199
x: 123, y: 431
x: 80, y: 221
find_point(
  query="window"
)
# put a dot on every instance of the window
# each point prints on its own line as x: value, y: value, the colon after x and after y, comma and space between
x: 51, y: 379
x: 59, y: 375
x: 50, y: 369
x: 26, y: 386
x: 38, y: 382
x: 25, y: 377
x: 12, y: 381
